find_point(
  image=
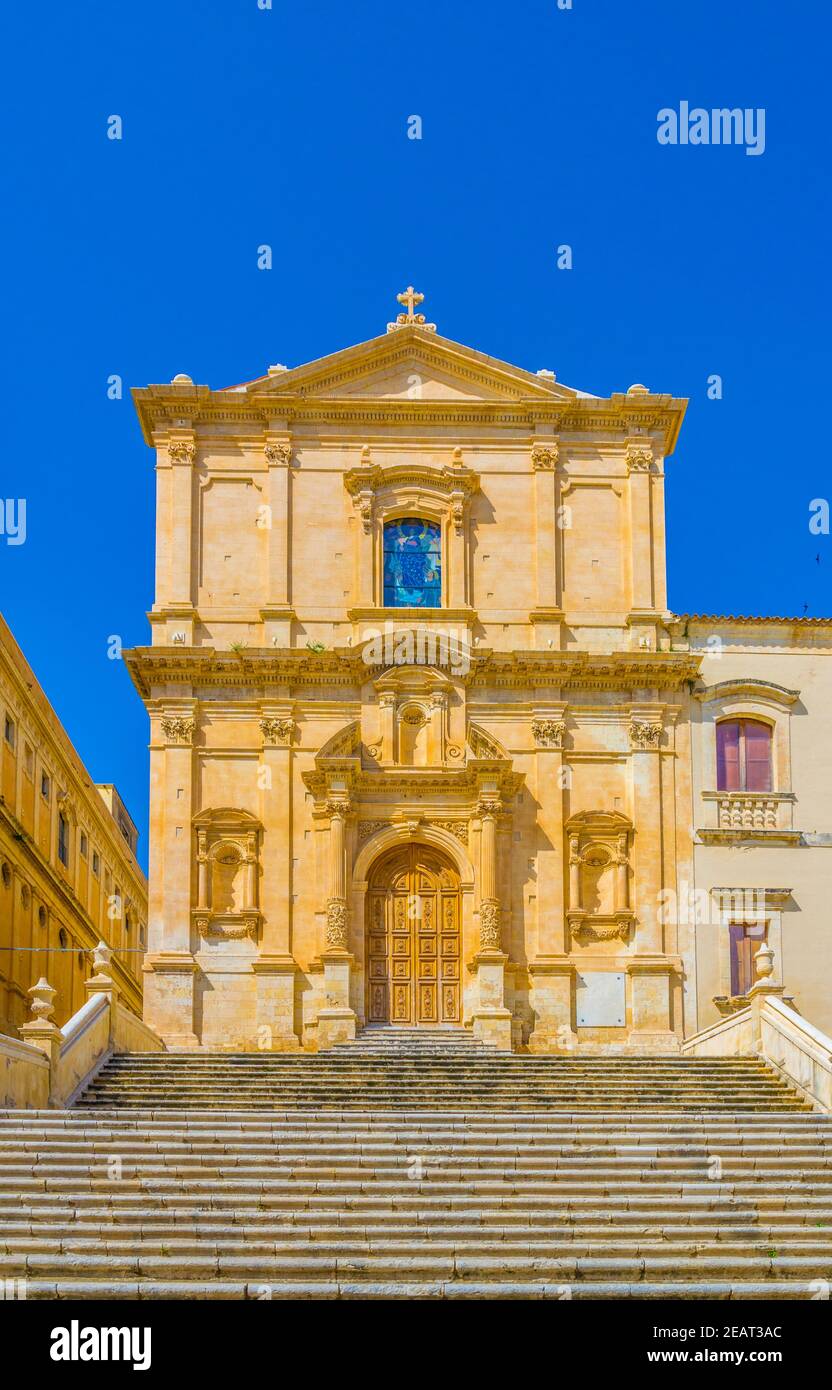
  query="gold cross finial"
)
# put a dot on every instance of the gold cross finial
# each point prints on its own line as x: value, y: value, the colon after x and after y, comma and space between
x: 410, y: 298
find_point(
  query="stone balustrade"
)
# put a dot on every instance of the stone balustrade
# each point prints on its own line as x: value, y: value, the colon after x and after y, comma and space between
x: 49, y: 1065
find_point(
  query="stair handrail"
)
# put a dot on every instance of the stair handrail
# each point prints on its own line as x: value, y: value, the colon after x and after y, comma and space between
x: 770, y: 1028
x: 75, y: 1053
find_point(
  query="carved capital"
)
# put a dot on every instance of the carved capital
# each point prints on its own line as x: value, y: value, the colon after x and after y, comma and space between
x: 644, y: 734
x: 639, y: 458
x: 545, y: 456
x: 337, y: 934
x: 549, y: 733
x: 182, y: 451
x: 277, y: 731
x: 489, y: 806
x: 278, y: 454
x: 338, y: 806
x: 178, y: 730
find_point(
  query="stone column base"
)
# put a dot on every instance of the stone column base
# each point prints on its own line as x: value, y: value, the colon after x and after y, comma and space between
x: 492, y: 1020
x: 335, y: 1026
x: 275, y: 1017
x: 650, y: 985
x: 551, y: 1000
x: 336, y: 1020
x: 168, y: 1004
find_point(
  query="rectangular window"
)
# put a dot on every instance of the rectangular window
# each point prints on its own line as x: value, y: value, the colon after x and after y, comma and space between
x: 63, y: 840
x: 9, y: 731
x: 743, y: 756
x: 745, y: 940
x: 44, y: 786
x: 83, y: 845
x: 29, y: 762
x: 96, y: 863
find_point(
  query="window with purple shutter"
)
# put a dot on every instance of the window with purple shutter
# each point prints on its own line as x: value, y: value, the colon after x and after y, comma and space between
x: 745, y: 941
x: 743, y: 756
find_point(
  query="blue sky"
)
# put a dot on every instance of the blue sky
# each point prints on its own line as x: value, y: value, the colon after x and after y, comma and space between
x: 288, y: 126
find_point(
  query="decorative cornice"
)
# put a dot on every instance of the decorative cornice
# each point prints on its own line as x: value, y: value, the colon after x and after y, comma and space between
x: 345, y: 667
x: 372, y: 478
x: 749, y: 688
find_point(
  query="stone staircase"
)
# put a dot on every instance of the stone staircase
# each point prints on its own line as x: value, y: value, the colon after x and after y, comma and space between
x: 420, y: 1165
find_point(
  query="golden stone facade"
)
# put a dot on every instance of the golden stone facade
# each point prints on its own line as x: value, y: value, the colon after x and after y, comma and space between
x: 469, y: 806
x: 68, y: 870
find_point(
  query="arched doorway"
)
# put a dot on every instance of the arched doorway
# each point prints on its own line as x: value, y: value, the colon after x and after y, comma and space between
x: 413, y: 938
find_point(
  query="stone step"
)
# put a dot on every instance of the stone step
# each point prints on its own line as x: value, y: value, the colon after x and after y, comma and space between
x: 534, y: 1177
x: 506, y: 1264
x: 695, y: 1288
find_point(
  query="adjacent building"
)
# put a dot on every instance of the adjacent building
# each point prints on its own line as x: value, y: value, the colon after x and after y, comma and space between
x: 68, y: 870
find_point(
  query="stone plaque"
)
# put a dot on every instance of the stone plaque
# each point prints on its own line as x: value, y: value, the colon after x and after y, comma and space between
x: 600, y: 999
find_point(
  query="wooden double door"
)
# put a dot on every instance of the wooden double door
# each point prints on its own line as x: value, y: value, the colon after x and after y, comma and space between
x: 413, y: 938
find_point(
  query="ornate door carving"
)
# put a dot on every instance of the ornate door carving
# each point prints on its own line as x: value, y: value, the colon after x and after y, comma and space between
x: 413, y: 939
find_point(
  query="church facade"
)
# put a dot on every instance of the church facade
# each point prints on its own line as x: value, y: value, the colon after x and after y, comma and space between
x: 426, y: 743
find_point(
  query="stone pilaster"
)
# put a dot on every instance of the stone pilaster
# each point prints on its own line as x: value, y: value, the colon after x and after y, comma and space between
x: 336, y: 1021
x: 277, y: 612
x: 169, y: 966
x: 275, y: 967
x: 492, y: 1020
x: 649, y: 969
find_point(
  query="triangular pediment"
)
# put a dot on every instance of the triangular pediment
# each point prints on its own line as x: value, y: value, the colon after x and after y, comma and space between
x: 410, y: 364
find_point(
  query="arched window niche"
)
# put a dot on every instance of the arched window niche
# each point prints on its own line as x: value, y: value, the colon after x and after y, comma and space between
x: 227, y: 873
x: 413, y: 535
x: 412, y: 563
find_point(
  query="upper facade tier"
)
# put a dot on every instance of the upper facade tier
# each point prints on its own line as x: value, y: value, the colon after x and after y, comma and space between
x: 409, y: 479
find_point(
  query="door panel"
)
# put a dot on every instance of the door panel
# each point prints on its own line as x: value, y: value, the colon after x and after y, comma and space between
x: 413, y: 946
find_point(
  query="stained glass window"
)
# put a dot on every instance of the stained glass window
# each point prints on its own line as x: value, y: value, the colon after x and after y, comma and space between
x: 412, y: 564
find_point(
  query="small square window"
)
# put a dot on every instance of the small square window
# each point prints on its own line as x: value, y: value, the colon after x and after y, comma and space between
x: 45, y: 786
x: 9, y: 731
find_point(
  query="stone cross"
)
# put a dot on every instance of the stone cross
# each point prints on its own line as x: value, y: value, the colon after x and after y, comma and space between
x: 411, y: 298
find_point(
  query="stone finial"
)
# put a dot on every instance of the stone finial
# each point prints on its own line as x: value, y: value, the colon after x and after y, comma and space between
x: 764, y: 963
x: 43, y: 1000
x: 101, y: 958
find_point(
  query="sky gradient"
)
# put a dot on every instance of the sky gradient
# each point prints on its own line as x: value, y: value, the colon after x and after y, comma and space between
x: 288, y: 126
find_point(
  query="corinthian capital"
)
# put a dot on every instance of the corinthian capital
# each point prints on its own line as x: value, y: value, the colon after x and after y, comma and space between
x: 278, y: 453
x: 645, y: 734
x: 181, y: 450
x: 178, y: 730
x: 548, y: 733
x: 277, y: 730
x: 545, y: 455
x: 639, y: 458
